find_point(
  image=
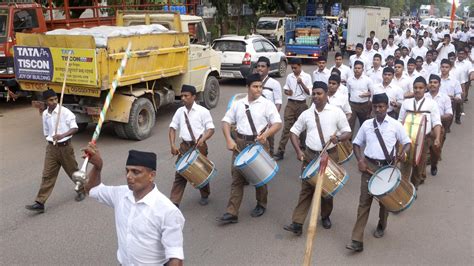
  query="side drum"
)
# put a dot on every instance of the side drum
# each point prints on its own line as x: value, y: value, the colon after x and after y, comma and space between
x: 196, y: 168
x: 344, y: 151
x: 256, y: 165
x: 335, y: 177
x: 415, y: 126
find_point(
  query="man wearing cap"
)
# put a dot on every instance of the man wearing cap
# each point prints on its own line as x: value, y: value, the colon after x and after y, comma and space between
x: 359, y: 90
x: 195, y: 126
x: 271, y: 91
x: 428, y: 107
x: 297, y: 88
x: 256, y: 119
x: 373, y: 157
x: 446, y: 114
x: 321, y: 73
x: 59, y: 150
x: 393, y: 92
x: 149, y: 226
x: 324, y: 123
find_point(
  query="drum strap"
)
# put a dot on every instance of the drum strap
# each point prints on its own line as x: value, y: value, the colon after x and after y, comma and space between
x: 320, y: 130
x: 419, y: 107
x: 249, y: 117
x: 265, y: 82
x: 382, y: 143
x: 188, y: 124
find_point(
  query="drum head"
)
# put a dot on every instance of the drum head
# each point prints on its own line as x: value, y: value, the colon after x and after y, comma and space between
x: 379, y: 183
x: 420, y: 140
x: 186, y: 160
x: 311, y: 169
x: 235, y: 98
x: 247, y: 155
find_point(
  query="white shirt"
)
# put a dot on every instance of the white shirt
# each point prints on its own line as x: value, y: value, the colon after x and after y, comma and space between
x: 427, y: 42
x: 391, y: 49
x: 418, y: 51
x: 361, y: 58
x: 67, y: 121
x: 375, y: 75
x: 403, y: 82
x: 263, y: 112
x: 391, y: 131
x: 346, y: 72
x: 397, y: 39
x: 386, y: 52
x: 358, y: 86
x: 343, y: 89
x: 199, y: 117
x: 463, y: 37
x: 408, y: 42
x: 332, y: 120
x: 463, y: 68
x: 429, y: 107
x: 149, y: 231
x: 445, y: 50
x: 451, y: 87
x: 321, y: 75
x: 369, y: 56
x: 394, y: 93
x: 443, y: 101
x: 272, y: 90
x: 423, y: 73
x: 298, y: 92
x: 341, y: 100
x: 431, y: 68
x: 405, y: 61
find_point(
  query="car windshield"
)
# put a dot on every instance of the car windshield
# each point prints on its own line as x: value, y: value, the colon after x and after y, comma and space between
x: 266, y: 25
x: 3, y: 25
x: 229, y: 46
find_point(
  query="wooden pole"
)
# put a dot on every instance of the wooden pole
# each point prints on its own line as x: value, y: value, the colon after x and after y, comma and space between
x: 316, y: 203
x: 62, y: 96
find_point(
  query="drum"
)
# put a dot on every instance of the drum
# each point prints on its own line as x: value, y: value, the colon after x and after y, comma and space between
x: 196, y: 168
x: 395, y: 193
x: 344, y: 151
x: 415, y: 126
x: 235, y: 98
x: 256, y: 165
x: 335, y: 177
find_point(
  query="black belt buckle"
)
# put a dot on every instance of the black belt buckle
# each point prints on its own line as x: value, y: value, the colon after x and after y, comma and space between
x: 64, y: 143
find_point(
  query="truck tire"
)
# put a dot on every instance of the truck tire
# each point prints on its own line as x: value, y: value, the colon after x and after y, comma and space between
x: 81, y: 127
x: 210, y: 95
x: 141, y: 120
x: 282, y: 69
x: 120, y: 130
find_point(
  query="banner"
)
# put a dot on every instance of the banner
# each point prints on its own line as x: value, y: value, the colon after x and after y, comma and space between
x: 48, y: 65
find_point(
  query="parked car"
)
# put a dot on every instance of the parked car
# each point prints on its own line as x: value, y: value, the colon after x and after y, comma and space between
x: 239, y: 55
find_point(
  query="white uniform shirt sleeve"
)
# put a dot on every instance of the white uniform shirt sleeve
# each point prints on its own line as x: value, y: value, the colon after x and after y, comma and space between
x: 207, y: 119
x: 457, y: 89
x: 229, y: 116
x: 300, y: 125
x: 402, y: 114
x: 287, y: 83
x: 346, y: 107
x: 172, y: 235
x: 105, y: 194
x: 342, y: 123
x: 175, y: 120
x: 447, y: 107
x: 45, y: 124
x: 277, y: 94
x: 308, y: 82
x: 435, y: 117
x: 360, y: 138
x: 70, y: 118
x: 402, y: 135
x: 272, y: 113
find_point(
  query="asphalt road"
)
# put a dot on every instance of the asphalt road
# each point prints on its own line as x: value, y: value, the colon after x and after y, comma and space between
x: 437, y: 229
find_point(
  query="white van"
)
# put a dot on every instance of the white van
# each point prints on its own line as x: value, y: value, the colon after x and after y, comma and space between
x: 272, y: 28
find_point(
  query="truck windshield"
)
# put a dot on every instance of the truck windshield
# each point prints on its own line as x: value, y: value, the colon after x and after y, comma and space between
x: 266, y: 25
x: 3, y: 25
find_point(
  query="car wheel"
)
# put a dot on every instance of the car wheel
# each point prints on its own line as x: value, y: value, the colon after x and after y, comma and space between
x: 282, y: 69
x: 141, y: 120
x: 210, y: 95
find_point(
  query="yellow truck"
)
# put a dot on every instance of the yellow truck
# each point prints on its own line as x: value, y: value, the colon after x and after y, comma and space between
x: 160, y: 64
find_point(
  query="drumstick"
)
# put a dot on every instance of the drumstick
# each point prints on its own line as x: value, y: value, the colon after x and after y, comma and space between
x: 373, y: 173
x: 393, y: 170
x: 62, y: 96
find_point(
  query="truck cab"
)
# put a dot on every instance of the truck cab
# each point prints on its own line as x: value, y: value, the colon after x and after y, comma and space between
x: 273, y: 29
x: 15, y: 16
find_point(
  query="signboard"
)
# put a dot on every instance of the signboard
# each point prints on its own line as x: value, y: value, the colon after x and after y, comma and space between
x: 49, y: 64
x: 336, y: 9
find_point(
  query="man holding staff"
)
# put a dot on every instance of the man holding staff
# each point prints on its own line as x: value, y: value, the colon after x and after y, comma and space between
x: 324, y: 123
x: 379, y: 136
x: 252, y: 115
x: 195, y: 126
x: 59, y: 150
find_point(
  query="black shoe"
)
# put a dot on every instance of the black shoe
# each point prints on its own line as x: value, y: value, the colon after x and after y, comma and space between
x: 37, y: 207
x: 326, y: 222
x: 434, y: 170
x: 458, y: 121
x: 448, y: 130
x: 355, y: 246
x: 258, y: 211
x: 228, y: 218
x: 203, y: 201
x: 295, y: 228
x: 379, y: 232
x: 80, y: 196
x: 278, y: 156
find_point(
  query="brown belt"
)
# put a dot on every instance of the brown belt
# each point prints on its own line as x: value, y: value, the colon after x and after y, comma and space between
x: 377, y: 162
x: 246, y: 137
x: 317, y: 152
x: 64, y: 143
x: 298, y: 101
x: 190, y: 143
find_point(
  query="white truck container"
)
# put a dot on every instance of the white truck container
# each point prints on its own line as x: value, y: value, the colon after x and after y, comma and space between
x: 364, y: 19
